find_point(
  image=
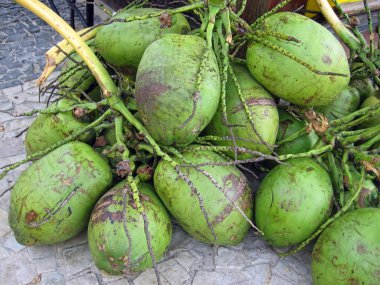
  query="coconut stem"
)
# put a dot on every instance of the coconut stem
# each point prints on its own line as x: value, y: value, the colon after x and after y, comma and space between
x: 58, y: 53
x: 58, y: 144
x: 348, y: 38
x: 271, y: 12
x: 104, y: 80
x: 369, y: 143
x: 301, y: 132
x: 310, y: 153
x: 370, y: 29
x: 368, y: 134
x: 350, y: 117
x: 353, y: 28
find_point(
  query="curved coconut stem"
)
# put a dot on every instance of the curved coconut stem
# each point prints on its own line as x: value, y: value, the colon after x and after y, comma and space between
x: 59, y: 52
x: 310, y: 153
x: 104, y: 80
x: 348, y: 38
x: 58, y: 144
x: 353, y: 27
x: 343, y: 210
x: 119, y: 134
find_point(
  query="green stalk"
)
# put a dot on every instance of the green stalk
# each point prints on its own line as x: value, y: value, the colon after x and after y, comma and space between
x: 347, y: 37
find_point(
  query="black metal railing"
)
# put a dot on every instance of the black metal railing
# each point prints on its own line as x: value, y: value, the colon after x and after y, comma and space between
x: 87, y: 20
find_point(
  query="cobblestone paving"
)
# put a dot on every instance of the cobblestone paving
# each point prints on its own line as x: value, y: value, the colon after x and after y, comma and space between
x: 24, y: 39
x: 186, y: 262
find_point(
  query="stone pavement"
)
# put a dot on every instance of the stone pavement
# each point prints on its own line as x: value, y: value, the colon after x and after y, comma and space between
x: 186, y: 262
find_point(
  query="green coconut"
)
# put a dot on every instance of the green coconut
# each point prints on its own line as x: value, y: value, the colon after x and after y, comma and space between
x: 293, y: 200
x: 122, y: 44
x: 228, y: 184
x: 348, y: 251
x: 116, y: 236
x: 289, y: 125
x: 364, y: 86
x: 347, y: 102
x: 288, y: 79
x: 52, y: 200
x: 48, y: 129
x: 372, y: 100
x: 177, y: 88
x: 262, y: 108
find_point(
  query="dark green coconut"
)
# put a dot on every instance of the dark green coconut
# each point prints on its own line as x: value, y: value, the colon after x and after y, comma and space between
x: 262, y: 108
x: 372, y: 100
x: 288, y: 126
x: 229, y: 225
x: 123, y: 44
x: 116, y: 235
x: 75, y: 77
x: 52, y: 200
x: 365, y: 87
x: 348, y: 251
x: 176, y: 94
x: 289, y: 79
x: 347, y: 102
x: 48, y: 129
x: 293, y: 200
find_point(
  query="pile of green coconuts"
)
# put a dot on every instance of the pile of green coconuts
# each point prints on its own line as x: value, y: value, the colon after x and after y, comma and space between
x: 155, y: 120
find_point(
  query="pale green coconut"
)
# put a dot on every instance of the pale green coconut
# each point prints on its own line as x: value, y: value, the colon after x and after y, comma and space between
x: 288, y: 79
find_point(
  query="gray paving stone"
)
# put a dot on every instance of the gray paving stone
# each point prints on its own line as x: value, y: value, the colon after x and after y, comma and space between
x: 260, y: 274
x: 173, y: 272
x: 88, y: 279
x: 5, y: 104
x: 4, y: 226
x: 229, y: 259
x: 149, y: 277
x: 4, y: 253
x: 45, y: 264
x: 17, y: 269
x: 11, y: 243
x: 77, y: 259
x: 219, y: 278
x: 52, y: 278
x: 185, y: 259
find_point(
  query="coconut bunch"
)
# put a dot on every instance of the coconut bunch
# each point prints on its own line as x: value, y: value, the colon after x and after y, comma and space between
x: 153, y: 119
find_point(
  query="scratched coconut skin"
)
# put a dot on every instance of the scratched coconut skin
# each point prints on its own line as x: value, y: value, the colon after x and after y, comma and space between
x: 177, y: 88
x: 289, y: 80
x: 116, y: 235
x: 229, y: 225
x: 293, y: 200
x: 52, y: 200
x: 348, y: 251
x: 261, y: 107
